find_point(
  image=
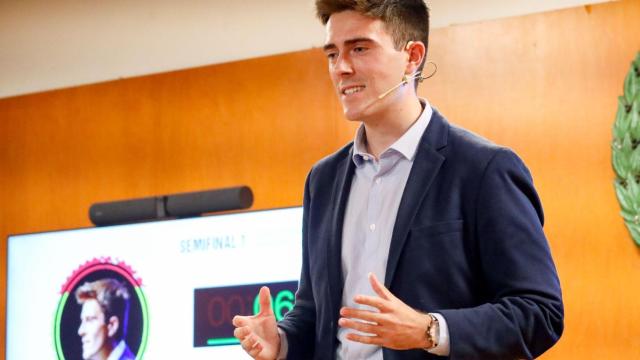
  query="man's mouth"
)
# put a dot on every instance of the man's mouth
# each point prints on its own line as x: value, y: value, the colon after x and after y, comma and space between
x: 352, y: 90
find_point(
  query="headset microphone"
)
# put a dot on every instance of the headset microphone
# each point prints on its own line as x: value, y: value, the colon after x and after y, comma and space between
x: 406, y: 78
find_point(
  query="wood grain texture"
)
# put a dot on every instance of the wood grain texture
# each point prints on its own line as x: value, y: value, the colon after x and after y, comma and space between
x: 545, y: 85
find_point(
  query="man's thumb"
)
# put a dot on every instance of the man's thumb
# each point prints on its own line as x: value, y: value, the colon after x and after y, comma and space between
x: 265, y: 300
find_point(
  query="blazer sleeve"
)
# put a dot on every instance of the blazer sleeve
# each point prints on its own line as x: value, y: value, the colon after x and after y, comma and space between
x: 299, y: 322
x: 524, y: 314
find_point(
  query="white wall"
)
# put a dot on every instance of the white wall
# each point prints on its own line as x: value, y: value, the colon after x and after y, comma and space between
x: 50, y: 44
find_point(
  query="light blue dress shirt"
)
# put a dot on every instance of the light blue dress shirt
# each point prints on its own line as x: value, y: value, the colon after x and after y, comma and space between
x: 370, y: 215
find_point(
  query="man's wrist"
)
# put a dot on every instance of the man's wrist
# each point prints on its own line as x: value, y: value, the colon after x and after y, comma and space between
x: 432, y: 332
x: 283, y: 345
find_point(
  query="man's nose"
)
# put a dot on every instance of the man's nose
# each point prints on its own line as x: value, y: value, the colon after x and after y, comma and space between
x: 81, y: 330
x: 343, y: 65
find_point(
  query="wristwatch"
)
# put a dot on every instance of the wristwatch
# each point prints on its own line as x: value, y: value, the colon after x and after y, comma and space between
x: 433, y: 332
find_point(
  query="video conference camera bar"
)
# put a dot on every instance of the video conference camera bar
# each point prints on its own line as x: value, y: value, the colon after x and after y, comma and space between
x: 170, y: 206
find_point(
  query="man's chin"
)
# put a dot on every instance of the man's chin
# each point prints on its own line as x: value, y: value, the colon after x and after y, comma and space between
x: 86, y: 355
x: 360, y: 112
x: 352, y: 114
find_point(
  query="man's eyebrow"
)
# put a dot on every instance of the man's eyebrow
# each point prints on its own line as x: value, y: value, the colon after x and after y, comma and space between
x: 332, y: 46
x: 329, y: 46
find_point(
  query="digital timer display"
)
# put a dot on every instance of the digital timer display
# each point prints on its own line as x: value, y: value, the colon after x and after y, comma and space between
x: 214, y: 309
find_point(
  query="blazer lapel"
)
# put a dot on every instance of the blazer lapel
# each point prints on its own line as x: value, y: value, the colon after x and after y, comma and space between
x: 426, y: 165
x: 341, y: 190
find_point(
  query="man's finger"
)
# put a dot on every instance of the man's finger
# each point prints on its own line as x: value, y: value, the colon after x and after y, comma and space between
x: 359, y: 326
x: 379, y: 288
x: 239, y: 321
x: 265, y: 300
x: 255, y: 351
x: 241, y: 332
x: 373, y: 340
x: 373, y: 301
x: 366, y: 315
x: 248, y: 343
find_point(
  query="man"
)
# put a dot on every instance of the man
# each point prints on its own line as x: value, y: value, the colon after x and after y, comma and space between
x: 420, y: 239
x: 104, y: 316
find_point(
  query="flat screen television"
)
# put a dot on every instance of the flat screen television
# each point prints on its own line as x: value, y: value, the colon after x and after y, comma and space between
x: 156, y: 290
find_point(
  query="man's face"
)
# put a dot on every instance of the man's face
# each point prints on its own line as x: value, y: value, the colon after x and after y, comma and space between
x: 363, y: 64
x: 93, y: 329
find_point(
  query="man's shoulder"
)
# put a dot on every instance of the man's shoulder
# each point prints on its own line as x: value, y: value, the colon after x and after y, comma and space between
x: 468, y: 146
x: 467, y: 149
x: 468, y: 142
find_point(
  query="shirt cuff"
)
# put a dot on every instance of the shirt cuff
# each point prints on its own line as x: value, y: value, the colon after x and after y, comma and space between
x: 443, y: 337
x: 284, y: 345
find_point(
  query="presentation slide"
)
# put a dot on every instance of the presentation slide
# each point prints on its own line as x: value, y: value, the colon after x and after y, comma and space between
x: 157, y: 290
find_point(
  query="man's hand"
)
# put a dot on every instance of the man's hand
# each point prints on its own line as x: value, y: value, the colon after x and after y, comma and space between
x: 395, y: 325
x: 258, y: 334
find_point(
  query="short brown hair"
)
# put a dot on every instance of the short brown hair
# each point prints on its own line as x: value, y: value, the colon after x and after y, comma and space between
x: 113, y: 298
x: 406, y: 20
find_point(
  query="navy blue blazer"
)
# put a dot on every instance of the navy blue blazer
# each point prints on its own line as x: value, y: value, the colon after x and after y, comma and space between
x: 467, y: 243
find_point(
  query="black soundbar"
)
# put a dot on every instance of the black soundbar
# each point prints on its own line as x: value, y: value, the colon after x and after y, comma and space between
x: 170, y: 206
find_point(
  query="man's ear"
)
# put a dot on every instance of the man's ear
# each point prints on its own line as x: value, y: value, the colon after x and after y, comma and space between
x: 417, y: 52
x: 112, y: 326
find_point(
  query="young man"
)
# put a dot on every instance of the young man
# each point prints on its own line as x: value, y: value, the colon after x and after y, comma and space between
x: 420, y: 239
x: 103, y: 320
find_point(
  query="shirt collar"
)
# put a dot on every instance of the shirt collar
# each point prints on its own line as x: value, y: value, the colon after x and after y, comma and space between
x: 407, y: 144
x: 117, y: 351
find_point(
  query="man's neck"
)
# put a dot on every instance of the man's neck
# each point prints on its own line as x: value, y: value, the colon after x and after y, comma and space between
x: 103, y: 353
x: 382, y: 131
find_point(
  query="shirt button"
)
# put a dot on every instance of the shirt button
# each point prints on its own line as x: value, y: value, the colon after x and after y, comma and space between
x: 366, y: 158
x: 372, y: 227
x: 378, y: 181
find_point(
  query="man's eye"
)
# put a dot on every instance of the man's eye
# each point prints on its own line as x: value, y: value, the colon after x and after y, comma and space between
x: 332, y: 56
x: 359, y: 49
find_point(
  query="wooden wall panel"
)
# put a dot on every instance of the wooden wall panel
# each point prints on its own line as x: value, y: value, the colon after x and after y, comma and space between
x: 545, y: 85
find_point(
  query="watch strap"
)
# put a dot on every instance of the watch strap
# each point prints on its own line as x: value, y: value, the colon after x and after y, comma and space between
x: 433, y: 332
